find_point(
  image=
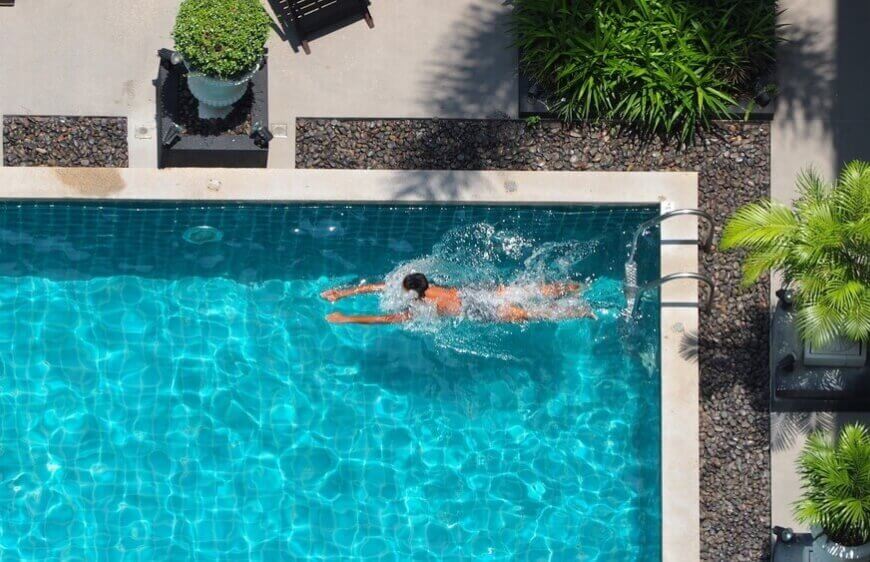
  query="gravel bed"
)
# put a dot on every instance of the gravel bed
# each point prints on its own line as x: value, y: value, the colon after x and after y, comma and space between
x: 733, y: 161
x: 89, y: 142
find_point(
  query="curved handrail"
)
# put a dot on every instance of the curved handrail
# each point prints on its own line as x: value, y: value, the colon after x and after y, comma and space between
x: 685, y: 275
x: 708, y: 241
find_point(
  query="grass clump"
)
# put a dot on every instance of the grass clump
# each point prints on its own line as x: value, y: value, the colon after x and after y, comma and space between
x: 835, y: 478
x: 221, y: 38
x: 664, y: 66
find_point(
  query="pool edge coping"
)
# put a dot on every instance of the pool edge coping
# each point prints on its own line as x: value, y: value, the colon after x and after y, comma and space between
x: 669, y: 190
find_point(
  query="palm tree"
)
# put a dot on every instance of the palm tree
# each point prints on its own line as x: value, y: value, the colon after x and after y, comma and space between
x: 835, y: 478
x: 822, y: 247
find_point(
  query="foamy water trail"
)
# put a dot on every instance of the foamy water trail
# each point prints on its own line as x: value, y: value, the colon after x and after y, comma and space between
x: 498, y: 267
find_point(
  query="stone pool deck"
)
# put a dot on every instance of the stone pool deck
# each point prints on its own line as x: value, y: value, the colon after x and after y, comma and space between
x: 821, y: 120
x: 449, y: 58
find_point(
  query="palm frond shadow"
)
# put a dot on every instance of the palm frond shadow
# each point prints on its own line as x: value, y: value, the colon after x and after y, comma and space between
x: 466, y: 76
x: 689, y: 345
x: 439, y: 148
x: 786, y: 429
x: 735, y: 353
x: 467, y: 79
x: 809, y: 92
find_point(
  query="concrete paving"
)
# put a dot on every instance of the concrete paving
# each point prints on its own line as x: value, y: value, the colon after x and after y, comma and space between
x: 822, y: 113
x: 450, y: 58
x: 822, y: 118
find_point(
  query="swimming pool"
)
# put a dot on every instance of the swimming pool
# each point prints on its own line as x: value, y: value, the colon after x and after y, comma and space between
x: 163, y: 399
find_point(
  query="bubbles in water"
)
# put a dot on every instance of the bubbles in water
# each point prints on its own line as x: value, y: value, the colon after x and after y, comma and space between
x: 480, y: 258
x: 558, y: 260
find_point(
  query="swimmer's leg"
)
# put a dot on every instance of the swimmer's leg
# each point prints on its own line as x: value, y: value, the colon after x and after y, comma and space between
x: 559, y: 290
x: 513, y: 313
x: 549, y: 290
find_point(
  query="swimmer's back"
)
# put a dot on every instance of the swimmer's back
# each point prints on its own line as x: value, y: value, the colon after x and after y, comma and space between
x: 447, y: 300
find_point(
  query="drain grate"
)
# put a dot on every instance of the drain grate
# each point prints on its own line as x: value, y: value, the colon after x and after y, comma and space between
x: 202, y: 235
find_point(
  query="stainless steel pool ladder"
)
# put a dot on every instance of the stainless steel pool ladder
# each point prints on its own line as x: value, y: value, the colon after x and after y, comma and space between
x: 633, y: 291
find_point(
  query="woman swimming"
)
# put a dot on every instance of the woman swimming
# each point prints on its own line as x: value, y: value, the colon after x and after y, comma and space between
x: 482, y: 305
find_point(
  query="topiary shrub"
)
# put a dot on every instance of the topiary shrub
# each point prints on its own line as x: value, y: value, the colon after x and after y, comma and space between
x: 835, y: 478
x: 661, y: 65
x: 221, y: 38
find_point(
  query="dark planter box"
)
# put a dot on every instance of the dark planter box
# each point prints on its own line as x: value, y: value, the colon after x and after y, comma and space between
x: 798, y: 387
x: 207, y: 151
x: 532, y: 104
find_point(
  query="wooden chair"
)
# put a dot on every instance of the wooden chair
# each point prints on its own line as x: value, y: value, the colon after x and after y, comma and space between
x: 311, y: 17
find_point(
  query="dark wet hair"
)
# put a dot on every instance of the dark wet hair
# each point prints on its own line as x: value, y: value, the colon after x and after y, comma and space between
x: 416, y: 282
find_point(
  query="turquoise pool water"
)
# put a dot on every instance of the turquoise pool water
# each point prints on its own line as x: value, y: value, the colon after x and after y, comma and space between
x: 165, y: 400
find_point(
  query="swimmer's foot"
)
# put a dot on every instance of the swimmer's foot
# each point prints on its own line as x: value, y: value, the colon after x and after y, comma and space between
x: 581, y: 312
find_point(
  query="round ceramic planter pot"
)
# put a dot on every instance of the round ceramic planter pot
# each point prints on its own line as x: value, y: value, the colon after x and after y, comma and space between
x: 216, y: 96
x: 826, y: 550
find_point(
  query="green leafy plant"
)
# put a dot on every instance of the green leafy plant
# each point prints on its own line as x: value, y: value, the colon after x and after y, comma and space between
x: 822, y: 247
x: 221, y: 38
x: 662, y: 65
x: 835, y: 479
x: 533, y: 120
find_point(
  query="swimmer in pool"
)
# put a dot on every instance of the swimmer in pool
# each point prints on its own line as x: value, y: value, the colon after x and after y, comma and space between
x: 474, y: 304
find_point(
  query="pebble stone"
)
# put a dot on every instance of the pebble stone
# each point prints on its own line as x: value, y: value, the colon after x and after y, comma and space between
x: 733, y: 162
x: 64, y: 141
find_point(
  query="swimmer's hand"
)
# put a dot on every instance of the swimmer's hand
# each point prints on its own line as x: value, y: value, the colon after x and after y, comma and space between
x: 331, y: 295
x: 338, y: 317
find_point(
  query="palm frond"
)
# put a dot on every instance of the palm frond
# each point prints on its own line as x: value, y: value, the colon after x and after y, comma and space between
x: 818, y: 323
x: 835, y: 484
x: 822, y: 247
x: 845, y: 295
x: 767, y: 224
x: 759, y: 262
x: 811, y: 187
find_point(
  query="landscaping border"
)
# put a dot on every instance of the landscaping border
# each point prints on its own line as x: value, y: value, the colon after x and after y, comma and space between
x: 733, y: 162
x: 65, y: 141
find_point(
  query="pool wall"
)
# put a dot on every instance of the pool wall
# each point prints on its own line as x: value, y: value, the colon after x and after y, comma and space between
x: 670, y: 190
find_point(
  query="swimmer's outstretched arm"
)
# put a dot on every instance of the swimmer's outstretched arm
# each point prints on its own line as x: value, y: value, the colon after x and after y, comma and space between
x: 341, y: 318
x: 333, y: 295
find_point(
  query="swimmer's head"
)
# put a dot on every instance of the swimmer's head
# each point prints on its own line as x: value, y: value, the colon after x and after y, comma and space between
x: 416, y: 282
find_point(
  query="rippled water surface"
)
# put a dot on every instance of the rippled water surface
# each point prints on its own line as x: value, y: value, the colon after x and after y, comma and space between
x: 168, y: 400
